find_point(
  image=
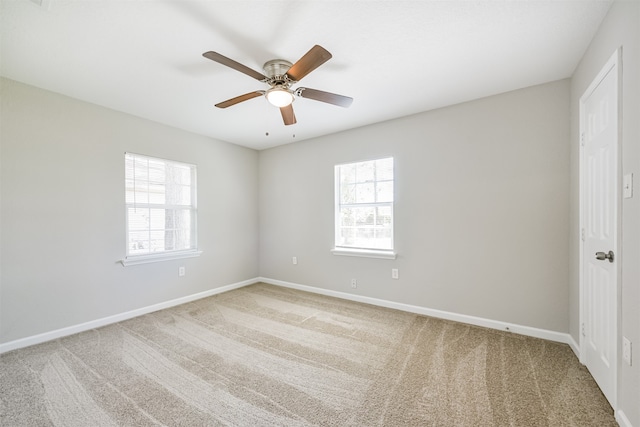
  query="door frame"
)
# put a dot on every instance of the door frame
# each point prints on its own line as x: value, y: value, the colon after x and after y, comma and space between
x: 613, y: 64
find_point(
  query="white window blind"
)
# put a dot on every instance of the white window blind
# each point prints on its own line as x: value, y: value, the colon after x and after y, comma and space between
x: 364, y: 205
x: 160, y: 206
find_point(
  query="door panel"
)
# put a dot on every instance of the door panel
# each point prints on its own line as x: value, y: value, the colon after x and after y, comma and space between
x: 599, y: 285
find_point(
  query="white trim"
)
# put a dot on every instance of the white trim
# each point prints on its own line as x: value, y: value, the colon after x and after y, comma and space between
x: 59, y: 333
x: 574, y: 346
x: 367, y: 253
x: 622, y: 419
x: 165, y: 256
x: 463, y: 318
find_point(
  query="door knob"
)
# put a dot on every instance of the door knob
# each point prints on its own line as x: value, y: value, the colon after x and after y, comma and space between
x: 602, y: 256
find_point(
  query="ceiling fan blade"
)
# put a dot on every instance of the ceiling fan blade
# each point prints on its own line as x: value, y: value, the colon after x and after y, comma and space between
x: 220, y: 59
x: 287, y: 115
x: 311, y: 60
x: 239, y: 99
x: 329, y: 98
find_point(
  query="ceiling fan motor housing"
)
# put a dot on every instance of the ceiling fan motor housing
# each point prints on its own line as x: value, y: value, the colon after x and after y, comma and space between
x: 276, y: 71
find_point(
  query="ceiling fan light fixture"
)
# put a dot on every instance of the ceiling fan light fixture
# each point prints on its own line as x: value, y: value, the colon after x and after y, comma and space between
x: 279, y: 97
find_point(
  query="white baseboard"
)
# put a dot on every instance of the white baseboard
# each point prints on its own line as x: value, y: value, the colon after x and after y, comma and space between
x: 93, y: 324
x: 622, y: 419
x: 574, y: 346
x: 472, y: 320
x: 463, y: 318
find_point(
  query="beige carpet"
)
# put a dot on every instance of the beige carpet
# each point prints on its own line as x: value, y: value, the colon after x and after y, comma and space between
x: 270, y: 356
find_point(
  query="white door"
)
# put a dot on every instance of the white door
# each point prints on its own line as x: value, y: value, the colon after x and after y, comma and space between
x: 599, y: 214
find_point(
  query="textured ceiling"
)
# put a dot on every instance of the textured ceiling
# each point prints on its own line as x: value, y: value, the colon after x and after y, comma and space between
x: 394, y: 58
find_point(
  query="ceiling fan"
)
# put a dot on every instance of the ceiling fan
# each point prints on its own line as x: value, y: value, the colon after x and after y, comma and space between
x: 280, y: 75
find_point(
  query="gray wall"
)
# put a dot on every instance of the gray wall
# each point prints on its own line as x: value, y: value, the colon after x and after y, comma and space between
x: 481, y: 212
x: 621, y: 28
x: 62, y: 213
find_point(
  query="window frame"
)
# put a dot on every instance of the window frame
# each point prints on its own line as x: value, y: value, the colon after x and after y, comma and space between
x: 341, y: 249
x: 164, y: 255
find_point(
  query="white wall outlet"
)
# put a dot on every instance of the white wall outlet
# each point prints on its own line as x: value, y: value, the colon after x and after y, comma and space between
x: 394, y: 273
x: 181, y: 271
x: 626, y: 350
x: 294, y: 260
x: 354, y: 283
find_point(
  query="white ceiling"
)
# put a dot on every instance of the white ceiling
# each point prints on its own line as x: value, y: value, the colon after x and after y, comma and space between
x: 394, y: 58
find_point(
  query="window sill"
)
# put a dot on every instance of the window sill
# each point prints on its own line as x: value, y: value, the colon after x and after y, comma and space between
x: 146, y: 259
x: 366, y: 253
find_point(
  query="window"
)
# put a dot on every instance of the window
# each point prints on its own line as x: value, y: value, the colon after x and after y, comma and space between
x: 364, y: 208
x: 160, y: 209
